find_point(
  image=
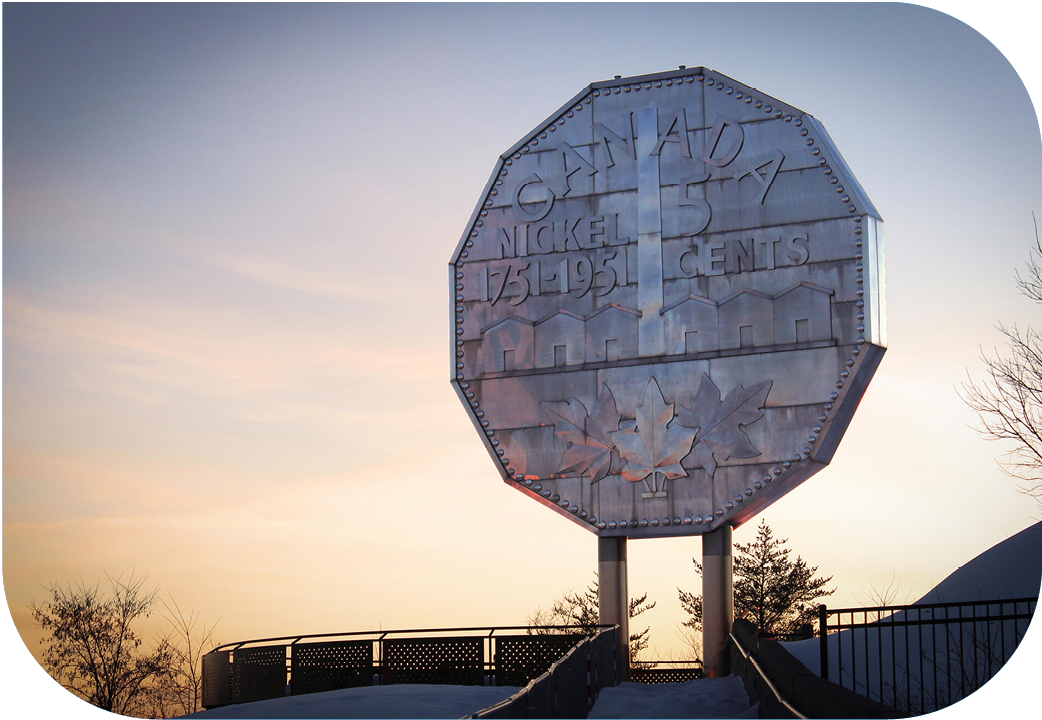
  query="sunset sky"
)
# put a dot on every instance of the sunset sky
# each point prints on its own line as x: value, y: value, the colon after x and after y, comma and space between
x: 225, y: 239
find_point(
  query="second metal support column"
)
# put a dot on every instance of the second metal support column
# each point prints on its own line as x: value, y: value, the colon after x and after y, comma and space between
x: 613, y: 594
x: 717, y: 601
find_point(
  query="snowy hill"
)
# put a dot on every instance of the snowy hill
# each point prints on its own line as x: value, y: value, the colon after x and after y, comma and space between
x: 1010, y: 569
x: 920, y: 667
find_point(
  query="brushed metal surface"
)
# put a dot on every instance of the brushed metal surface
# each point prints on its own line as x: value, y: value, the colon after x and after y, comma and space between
x: 667, y: 305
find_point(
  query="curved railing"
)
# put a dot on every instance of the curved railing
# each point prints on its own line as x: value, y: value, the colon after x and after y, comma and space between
x: 267, y: 668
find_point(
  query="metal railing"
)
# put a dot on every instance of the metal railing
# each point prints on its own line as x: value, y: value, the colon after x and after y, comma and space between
x: 273, y: 667
x: 761, y: 679
x: 570, y: 686
x: 920, y: 658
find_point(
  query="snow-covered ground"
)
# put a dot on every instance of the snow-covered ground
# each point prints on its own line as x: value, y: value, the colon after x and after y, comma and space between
x: 384, y: 701
x: 938, y: 663
x: 706, y: 698
x: 719, y: 698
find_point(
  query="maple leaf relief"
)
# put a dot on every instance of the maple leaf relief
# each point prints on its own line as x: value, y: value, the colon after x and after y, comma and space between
x: 711, y: 431
x: 588, y: 432
x: 718, y: 423
x: 653, y: 447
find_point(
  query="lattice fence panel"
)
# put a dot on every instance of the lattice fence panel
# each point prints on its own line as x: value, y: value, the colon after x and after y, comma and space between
x: 435, y: 661
x: 664, y: 675
x: 519, y: 658
x: 319, y: 667
x: 258, y: 673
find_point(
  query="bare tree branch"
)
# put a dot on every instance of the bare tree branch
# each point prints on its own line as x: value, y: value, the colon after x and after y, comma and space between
x: 1008, y: 402
x: 92, y: 648
x: 180, y: 691
x: 583, y: 609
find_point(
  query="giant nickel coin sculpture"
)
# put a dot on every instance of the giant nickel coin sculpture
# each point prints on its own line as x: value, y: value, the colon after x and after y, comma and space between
x: 667, y: 305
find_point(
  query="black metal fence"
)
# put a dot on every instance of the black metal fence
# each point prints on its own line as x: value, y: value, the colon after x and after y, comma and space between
x: 297, y: 665
x: 920, y: 658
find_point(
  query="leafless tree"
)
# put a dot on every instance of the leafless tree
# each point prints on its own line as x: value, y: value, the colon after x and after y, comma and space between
x: 691, y: 644
x: 179, y: 691
x: 1009, y: 401
x: 92, y: 647
x: 885, y: 596
x: 583, y: 609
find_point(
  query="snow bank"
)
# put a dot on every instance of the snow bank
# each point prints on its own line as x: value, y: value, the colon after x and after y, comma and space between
x: 1011, y: 569
x: 383, y: 701
x: 707, y: 698
x: 938, y: 664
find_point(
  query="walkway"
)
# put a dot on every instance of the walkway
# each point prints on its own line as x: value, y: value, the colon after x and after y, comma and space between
x: 705, y: 698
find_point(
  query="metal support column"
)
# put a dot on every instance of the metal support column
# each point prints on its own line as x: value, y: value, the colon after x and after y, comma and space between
x: 717, y: 601
x: 613, y: 594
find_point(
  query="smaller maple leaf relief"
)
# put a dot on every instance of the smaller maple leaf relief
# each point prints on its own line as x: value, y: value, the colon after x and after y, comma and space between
x: 653, y: 447
x: 719, y: 423
x: 589, y: 434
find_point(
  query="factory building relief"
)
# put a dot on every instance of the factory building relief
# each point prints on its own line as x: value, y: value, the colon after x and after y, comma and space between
x: 747, y: 319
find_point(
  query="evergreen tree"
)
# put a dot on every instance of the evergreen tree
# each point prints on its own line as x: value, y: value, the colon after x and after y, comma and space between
x: 772, y: 591
x: 639, y: 640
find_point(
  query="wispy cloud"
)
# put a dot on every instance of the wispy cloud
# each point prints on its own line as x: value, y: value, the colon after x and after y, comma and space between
x: 207, y: 350
x: 282, y: 273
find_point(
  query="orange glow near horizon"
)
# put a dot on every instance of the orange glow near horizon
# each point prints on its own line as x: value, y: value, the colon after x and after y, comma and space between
x: 226, y: 328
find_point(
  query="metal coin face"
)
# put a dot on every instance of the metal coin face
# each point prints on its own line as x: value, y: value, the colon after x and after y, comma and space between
x: 668, y: 303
